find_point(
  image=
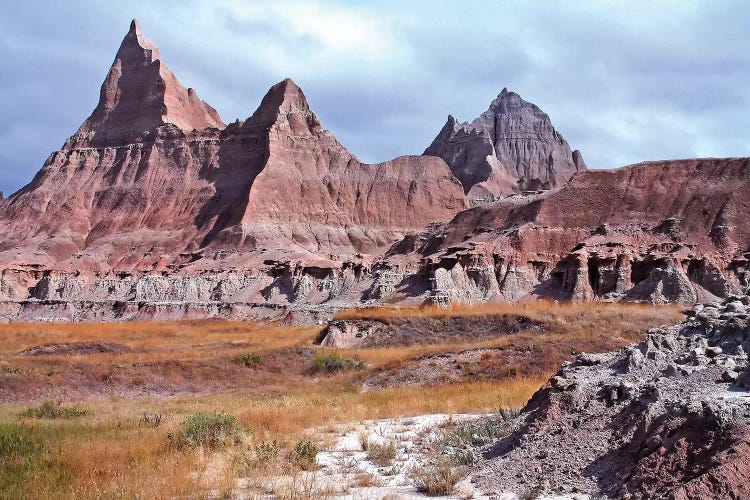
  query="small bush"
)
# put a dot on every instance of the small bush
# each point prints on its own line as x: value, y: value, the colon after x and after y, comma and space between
x: 304, y: 455
x: 381, y: 455
x: 461, y: 442
x: 208, y: 429
x: 334, y: 362
x: 366, y: 480
x: 5, y: 368
x: 249, y: 360
x: 265, y: 454
x: 478, y: 433
x: 364, y: 439
x: 150, y: 421
x: 50, y: 410
x: 437, y: 480
x: 508, y: 414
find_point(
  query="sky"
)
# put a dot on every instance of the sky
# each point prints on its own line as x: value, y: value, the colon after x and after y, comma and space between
x: 623, y: 81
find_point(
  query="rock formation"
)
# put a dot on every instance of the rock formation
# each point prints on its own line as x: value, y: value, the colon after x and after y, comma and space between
x: 667, y: 418
x: 140, y: 95
x: 511, y: 147
x: 154, y: 199
x: 155, y: 209
x: 672, y: 231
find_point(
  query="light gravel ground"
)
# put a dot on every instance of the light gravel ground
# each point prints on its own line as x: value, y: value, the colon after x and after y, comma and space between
x: 345, y: 462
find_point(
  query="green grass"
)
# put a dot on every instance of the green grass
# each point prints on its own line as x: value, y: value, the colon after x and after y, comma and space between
x: 331, y: 362
x: 53, y: 411
x: 23, y: 457
x: 207, y: 429
x: 460, y: 443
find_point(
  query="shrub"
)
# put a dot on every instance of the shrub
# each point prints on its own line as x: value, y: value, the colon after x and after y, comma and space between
x: 508, y: 414
x: 249, y: 360
x: 437, y: 480
x: 364, y: 439
x: 304, y: 455
x: 461, y: 442
x: 381, y: 454
x: 333, y: 362
x: 150, y: 421
x: 52, y: 410
x: 208, y: 429
x: 265, y: 454
x: 366, y: 480
x: 478, y: 433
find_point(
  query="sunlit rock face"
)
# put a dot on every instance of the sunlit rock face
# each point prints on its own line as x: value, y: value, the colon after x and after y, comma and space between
x: 153, y: 184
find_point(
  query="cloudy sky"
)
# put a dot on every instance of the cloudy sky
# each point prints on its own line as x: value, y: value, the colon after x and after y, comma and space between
x: 623, y: 81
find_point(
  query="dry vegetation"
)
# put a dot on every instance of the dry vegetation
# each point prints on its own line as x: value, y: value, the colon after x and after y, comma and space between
x: 262, y: 375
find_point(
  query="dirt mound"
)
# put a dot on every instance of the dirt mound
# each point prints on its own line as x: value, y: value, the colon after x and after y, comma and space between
x: 402, y: 331
x: 666, y: 418
x: 76, y: 348
x: 472, y: 364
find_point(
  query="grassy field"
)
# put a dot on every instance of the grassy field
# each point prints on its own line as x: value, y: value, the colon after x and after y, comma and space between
x: 72, y: 421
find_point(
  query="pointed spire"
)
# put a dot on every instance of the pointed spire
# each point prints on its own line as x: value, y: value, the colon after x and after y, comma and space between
x: 140, y: 94
x: 281, y: 102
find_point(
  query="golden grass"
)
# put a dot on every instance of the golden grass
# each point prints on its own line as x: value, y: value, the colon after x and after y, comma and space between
x: 528, y: 308
x: 589, y: 324
x: 158, y: 340
x: 107, y: 454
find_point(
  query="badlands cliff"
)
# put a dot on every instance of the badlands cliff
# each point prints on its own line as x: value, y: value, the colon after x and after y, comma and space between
x: 672, y: 231
x: 155, y: 208
x: 153, y: 199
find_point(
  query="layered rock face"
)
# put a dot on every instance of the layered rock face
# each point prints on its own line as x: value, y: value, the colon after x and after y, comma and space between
x: 511, y: 147
x: 154, y: 208
x: 673, y: 231
x: 313, y: 194
x: 139, y: 95
x: 666, y: 418
x: 154, y: 199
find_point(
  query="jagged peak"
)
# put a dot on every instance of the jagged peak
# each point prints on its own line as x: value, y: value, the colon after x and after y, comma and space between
x: 136, y: 47
x: 507, y: 101
x: 286, y: 96
x: 140, y: 94
x: 282, y: 100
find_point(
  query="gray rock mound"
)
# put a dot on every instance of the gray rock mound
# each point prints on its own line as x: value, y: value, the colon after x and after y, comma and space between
x: 666, y: 418
x: 511, y: 147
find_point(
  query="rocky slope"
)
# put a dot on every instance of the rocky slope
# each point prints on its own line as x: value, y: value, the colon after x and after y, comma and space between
x: 511, y: 147
x: 672, y: 231
x: 666, y: 418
